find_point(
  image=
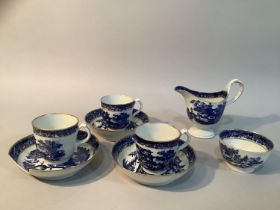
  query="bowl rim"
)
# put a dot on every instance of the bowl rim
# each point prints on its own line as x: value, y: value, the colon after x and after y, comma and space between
x: 221, y: 141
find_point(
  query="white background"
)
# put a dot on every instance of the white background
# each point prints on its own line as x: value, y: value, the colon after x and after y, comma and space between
x: 62, y: 56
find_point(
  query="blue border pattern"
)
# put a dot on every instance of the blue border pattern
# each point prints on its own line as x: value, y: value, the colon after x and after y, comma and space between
x: 120, y: 107
x: 55, y: 133
x: 156, y: 145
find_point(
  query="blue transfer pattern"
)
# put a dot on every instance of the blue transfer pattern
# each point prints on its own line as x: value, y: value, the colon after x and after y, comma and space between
x: 222, y: 94
x: 242, y: 134
x: 154, y: 162
x: 117, y: 121
x: 56, y: 133
x: 50, y: 150
x: 95, y: 118
x: 234, y: 158
x: 21, y: 146
x: 121, y: 107
x: 32, y: 160
x: 205, y: 113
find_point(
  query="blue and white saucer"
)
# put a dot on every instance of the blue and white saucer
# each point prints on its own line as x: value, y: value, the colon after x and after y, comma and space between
x: 124, y: 154
x: 98, y: 126
x: 26, y: 156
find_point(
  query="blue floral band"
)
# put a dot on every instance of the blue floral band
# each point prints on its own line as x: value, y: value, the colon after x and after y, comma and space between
x: 157, y: 145
x: 55, y: 133
x: 117, y: 108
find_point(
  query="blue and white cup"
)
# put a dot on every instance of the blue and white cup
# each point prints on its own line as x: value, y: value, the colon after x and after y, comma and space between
x: 157, y: 145
x: 56, y: 136
x: 118, y: 110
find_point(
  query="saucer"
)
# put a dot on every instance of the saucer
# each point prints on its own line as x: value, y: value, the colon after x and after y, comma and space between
x: 124, y: 154
x: 27, y: 157
x: 98, y: 126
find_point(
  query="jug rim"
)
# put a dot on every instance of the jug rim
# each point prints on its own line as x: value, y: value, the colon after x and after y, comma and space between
x: 204, y: 95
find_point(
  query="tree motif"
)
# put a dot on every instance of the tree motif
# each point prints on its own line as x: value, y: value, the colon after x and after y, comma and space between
x: 50, y: 150
x: 205, y: 113
x: 232, y: 156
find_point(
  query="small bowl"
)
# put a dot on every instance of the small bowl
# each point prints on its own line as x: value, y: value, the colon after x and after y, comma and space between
x: 244, y: 151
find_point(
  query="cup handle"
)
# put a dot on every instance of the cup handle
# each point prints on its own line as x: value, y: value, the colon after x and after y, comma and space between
x: 239, y: 93
x: 85, y: 127
x: 187, y: 140
x: 137, y: 100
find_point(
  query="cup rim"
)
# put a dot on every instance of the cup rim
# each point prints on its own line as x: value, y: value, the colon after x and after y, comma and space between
x: 116, y: 95
x: 158, y: 141
x: 50, y: 114
x: 221, y: 140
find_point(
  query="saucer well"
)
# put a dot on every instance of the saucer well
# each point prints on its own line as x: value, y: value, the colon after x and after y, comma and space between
x: 124, y: 154
x: 98, y: 126
x: 27, y: 157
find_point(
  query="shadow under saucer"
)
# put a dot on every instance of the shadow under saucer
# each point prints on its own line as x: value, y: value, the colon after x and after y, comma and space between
x: 202, y: 174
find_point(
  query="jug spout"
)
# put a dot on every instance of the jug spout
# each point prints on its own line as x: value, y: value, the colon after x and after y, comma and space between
x: 182, y: 90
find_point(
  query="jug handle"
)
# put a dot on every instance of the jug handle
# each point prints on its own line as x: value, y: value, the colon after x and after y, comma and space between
x: 239, y: 93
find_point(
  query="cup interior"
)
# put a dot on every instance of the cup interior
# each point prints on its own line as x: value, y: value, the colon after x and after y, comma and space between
x: 54, y: 121
x: 245, y: 145
x: 157, y: 132
x: 116, y: 99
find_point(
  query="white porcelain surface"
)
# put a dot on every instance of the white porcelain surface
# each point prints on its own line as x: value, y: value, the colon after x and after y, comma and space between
x: 201, y: 132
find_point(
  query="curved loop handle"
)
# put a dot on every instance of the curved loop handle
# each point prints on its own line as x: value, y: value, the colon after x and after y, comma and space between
x: 239, y: 93
x: 137, y: 100
x: 85, y: 127
x: 187, y: 140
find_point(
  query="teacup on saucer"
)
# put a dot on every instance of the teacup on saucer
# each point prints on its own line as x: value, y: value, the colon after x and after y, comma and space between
x: 98, y: 126
x: 157, y: 145
x: 25, y: 154
x: 124, y: 154
x: 56, y: 136
x: 118, y: 110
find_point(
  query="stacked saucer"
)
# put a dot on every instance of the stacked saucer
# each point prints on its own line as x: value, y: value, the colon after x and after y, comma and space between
x: 98, y: 125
